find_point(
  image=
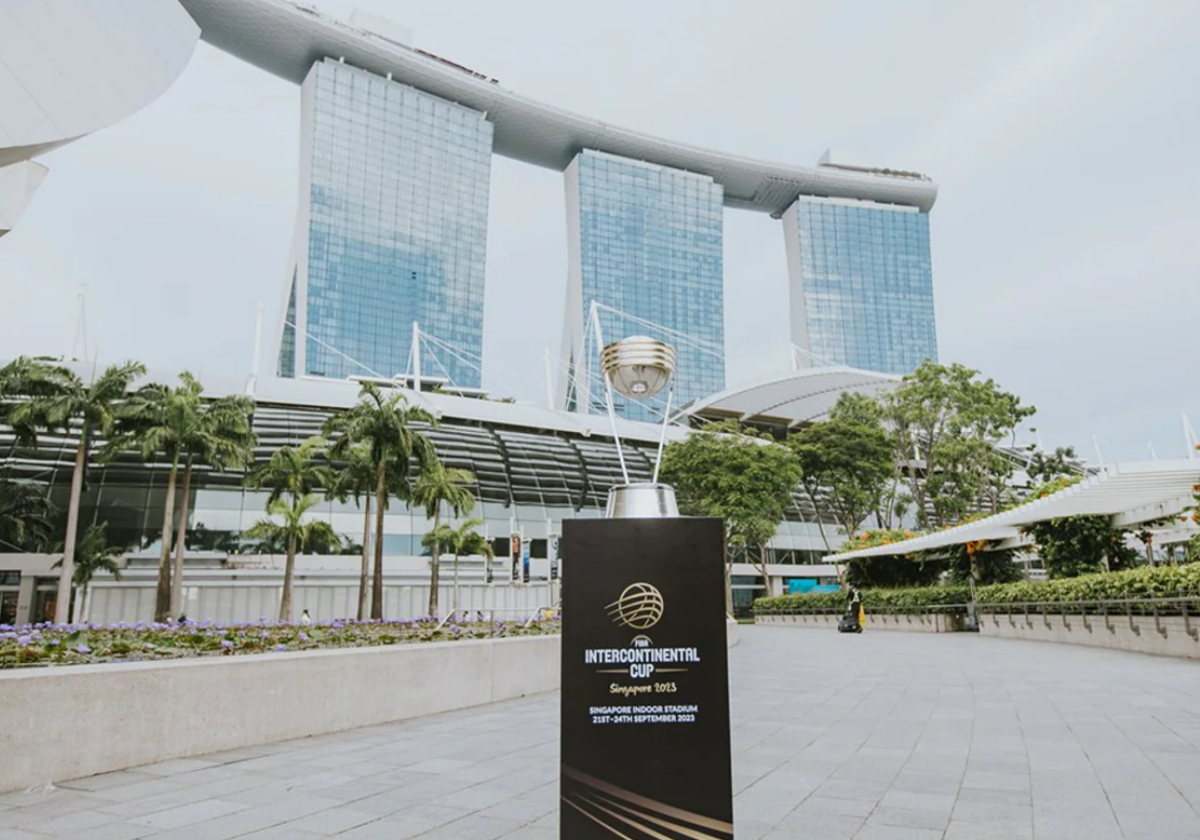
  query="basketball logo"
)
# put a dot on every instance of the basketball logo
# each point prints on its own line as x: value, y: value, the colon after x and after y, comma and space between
x: 640, y: 607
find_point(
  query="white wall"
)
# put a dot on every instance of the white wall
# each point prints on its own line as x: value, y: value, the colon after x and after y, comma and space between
x: 232, y: 597
x: 67, y: 723
x: 1142, y: 634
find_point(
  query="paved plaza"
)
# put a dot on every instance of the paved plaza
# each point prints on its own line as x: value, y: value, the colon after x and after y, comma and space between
x: 884, y: 736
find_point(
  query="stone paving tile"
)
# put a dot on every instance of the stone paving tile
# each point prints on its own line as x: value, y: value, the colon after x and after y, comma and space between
x: 884, y: 736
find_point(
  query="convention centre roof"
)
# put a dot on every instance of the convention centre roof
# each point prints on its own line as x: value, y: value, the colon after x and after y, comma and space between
x: 804, y: 396
x: 287, y: 39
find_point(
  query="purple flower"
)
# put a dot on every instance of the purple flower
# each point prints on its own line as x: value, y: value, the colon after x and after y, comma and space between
x: 280, y: 648
x: 23, y: 640
x: 54, y: 643
x: 303, y: 636
x: 84, y: 649
x: 228, y: 645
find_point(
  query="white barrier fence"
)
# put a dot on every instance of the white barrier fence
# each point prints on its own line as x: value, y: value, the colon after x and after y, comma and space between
x: 225, y: 598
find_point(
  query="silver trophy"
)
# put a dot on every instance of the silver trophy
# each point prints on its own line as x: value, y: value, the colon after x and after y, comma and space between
x: 639, y: 367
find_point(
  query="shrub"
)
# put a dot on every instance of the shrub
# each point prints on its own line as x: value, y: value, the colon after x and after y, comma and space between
x: 1144, y: 582
x: 877, y: 600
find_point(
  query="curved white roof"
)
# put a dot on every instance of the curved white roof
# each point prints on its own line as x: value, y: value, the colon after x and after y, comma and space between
x: 800, y: 397
x: 1130, y: 493
x: 285, y: 39
x: 70, y: 68
x: 18, y: 183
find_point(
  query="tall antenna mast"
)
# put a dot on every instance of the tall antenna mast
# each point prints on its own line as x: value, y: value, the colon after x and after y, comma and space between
x: 79, y: 350
x: 256, y: 363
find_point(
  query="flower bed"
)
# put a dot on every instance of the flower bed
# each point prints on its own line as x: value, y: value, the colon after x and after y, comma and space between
x: 80, y: 644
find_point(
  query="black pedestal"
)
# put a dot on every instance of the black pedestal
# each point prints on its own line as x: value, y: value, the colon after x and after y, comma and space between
x: 645, y: 681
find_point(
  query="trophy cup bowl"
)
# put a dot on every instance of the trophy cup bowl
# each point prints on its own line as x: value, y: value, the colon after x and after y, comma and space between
x: 638, y: 367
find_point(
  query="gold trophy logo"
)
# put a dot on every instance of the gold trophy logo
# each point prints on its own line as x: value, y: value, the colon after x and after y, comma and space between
x: 640, y: 607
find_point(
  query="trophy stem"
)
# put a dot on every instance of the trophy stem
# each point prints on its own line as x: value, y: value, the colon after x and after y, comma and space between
x: 612, y: 418
x: 662, y: 438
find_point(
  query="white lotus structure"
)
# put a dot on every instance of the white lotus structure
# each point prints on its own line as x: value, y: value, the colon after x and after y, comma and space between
x: 72, y: 67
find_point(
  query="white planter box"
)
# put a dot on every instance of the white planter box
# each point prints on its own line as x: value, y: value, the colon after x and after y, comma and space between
x: 74, y: 721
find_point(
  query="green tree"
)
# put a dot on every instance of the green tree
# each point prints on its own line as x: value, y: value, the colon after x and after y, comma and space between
x: 1063, y: 462
x: 467, y: 541
x: 946, y: 424
x: 436, y: 485
x: 849, y: 462
x: 26, y: 516
x: 1075, y: 545
x: 93, y: 554
x: 388, y: 429
x: 356, y: 476
x: 295, y: 532
x: 183, y: 427
x: 745, y: 480
x: 292, y: 474
x: 56, y: 398
x: 974, y: 561
x: 892, y: 572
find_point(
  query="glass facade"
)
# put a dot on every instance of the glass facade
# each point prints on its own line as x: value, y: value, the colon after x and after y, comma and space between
x: 861, y: 284
x: 287, y: 349
x: 649, y: 243
x: 397, y: 186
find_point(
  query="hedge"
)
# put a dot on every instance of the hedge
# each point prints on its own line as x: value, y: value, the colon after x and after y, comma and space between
x: 1143, y: 582
x: 879, y: 600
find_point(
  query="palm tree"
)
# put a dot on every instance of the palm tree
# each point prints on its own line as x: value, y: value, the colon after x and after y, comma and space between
x: 57, y: 397
x: 25, y: 515
x: 180, y: 425
x: 94, y: 554
x: 466, y: 541
x: 356, y: 477
x: 438, y: 484
x: 220, y: 437
x: 294, y: 472
x: 386, y: 427
x: 296, y: 533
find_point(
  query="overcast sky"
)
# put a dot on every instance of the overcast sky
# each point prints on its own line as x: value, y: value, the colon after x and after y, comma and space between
x: 1063, y: 135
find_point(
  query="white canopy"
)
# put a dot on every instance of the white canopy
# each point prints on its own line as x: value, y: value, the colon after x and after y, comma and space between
x: 1130, y: 493
x: 804, y: 396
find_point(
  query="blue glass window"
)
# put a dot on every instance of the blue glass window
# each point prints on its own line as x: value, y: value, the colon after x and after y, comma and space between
x: 650, y: 241
x: 397, y: 230
x: 867, y: 283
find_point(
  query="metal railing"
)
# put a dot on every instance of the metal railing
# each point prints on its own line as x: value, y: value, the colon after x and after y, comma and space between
x: 1137, y: 614
x: 917, y: 615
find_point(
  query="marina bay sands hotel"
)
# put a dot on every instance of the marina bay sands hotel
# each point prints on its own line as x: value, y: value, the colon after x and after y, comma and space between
x: 396, y: 150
